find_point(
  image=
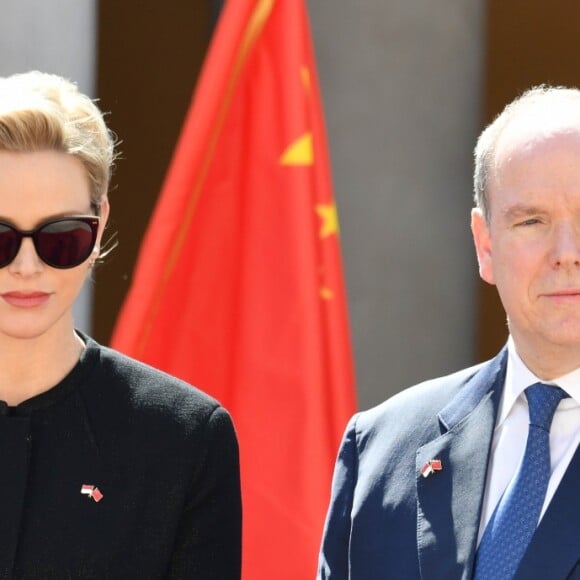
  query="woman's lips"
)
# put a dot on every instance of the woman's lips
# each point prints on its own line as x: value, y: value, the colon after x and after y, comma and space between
x: 26, y: 299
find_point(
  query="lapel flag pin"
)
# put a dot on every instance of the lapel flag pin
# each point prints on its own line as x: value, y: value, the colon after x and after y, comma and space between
x: 92, y: 492
x: 431, y: 466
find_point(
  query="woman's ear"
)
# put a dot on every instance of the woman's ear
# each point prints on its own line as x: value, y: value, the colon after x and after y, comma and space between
x: 104, y: 209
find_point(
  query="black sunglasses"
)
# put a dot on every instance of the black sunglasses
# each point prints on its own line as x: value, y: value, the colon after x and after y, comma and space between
x: 61, y: 243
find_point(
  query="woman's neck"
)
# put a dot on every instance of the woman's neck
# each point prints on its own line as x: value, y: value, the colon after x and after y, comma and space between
x: 32, y: 366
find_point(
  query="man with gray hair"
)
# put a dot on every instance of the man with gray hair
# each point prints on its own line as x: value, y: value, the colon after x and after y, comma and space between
x: 476, y: 475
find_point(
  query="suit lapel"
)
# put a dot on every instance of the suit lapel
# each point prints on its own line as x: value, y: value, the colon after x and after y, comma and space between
x: 555, y: 547
x: 449, y: 501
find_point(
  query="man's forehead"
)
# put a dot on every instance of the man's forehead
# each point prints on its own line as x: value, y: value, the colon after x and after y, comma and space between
x: 531, y: 140
x: 541, y: 120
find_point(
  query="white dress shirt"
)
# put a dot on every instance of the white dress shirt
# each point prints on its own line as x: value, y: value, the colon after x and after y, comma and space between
x: 511, y: 431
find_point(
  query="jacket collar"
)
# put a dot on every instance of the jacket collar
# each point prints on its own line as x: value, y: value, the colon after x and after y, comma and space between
x: 449, y: 500
x: 488, y: 382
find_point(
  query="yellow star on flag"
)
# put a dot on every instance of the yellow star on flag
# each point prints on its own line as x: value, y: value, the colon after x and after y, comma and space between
x: 300, y: 152
x: 305, y: 76
x: 326, y: 293
x: 329, y: 216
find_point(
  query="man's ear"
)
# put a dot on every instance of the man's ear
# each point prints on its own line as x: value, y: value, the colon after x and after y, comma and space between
x: 482, y: 240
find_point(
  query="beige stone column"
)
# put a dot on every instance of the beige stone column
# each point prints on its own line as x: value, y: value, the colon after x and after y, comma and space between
x: 402, y: 83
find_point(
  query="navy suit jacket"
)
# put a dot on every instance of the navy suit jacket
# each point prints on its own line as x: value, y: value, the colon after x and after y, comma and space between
x: 387, y: 521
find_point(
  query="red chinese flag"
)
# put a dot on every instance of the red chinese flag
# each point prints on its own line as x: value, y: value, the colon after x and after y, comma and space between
x: 238, y: 288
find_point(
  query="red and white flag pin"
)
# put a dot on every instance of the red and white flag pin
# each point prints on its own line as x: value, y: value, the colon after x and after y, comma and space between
x: 431, y: 466
x: 92, y: 492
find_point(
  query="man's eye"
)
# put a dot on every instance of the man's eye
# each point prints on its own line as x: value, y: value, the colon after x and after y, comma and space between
x: 530, y: 222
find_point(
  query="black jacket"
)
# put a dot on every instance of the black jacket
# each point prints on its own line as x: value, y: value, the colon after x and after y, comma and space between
x: 162, y: 455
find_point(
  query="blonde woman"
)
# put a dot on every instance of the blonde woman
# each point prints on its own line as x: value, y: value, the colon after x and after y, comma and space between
x: 109, y: 468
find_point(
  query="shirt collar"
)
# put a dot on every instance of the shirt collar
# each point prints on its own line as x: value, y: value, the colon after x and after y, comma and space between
x: 519, y: 377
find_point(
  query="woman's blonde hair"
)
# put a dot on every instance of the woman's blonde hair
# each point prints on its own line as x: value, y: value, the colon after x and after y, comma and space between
x: 40, y: 111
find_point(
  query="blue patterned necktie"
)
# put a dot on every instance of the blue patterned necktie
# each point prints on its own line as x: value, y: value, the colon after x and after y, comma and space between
x: 516, y: 516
